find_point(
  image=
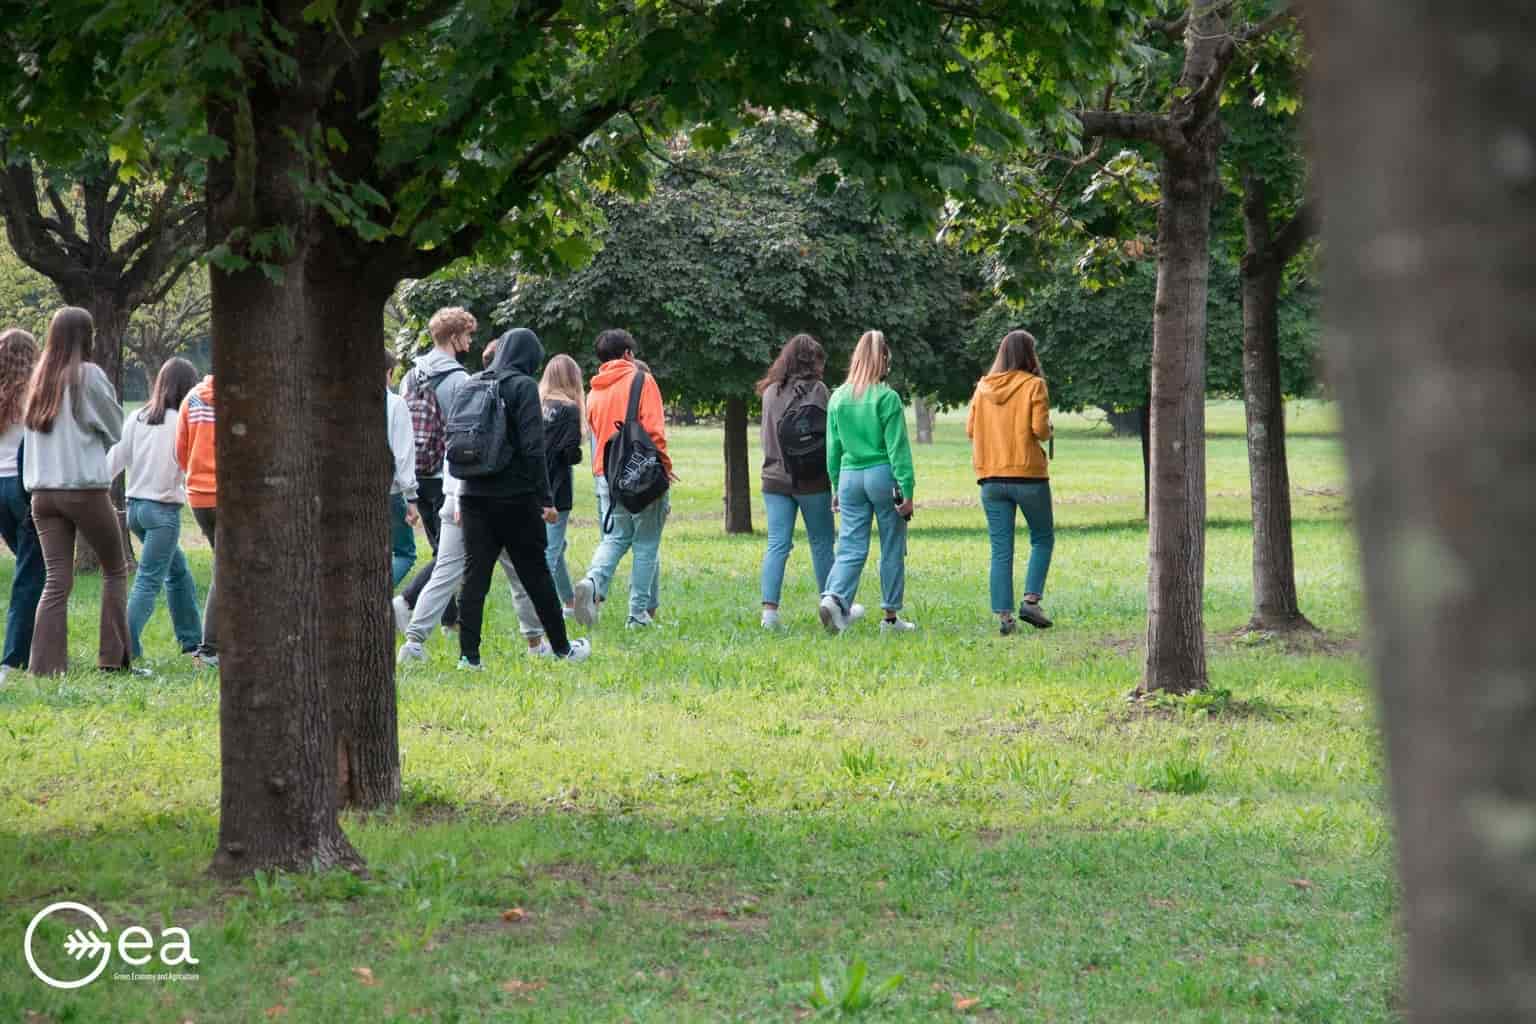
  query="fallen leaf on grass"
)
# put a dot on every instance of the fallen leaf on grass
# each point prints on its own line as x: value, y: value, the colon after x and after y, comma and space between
x: 962, y: 1004
x: 277, y: 1011
x: 514, y: 915
x: 1304, y: 883
x: 1164, y: 904
x: 521, y: 988
x: 1258, y: 961
x: 365, y: 975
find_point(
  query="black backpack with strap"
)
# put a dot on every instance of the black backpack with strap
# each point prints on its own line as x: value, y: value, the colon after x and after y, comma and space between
x: 476, y: 429
x: 631, y: 462
x: 802, y: 435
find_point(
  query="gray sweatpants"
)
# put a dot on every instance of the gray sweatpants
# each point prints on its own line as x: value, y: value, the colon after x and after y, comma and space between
x: 444, y: 584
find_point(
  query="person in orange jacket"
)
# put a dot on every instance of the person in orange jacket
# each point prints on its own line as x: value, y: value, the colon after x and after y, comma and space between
x: 606, y: 407
x: 1009, y: 422
x: 195, y: 454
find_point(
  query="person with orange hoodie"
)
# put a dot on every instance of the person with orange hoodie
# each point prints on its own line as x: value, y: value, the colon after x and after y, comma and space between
x: 195, y: 455
x: 607, y: 406
x: 1009, y: 422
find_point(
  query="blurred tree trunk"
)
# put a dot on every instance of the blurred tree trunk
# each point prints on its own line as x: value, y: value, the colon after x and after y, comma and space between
x: 1424, y: 127
x: 925, y: 415
x: 738, y: 468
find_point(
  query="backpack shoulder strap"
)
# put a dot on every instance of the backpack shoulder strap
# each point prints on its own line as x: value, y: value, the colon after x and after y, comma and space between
x: 635, y: 388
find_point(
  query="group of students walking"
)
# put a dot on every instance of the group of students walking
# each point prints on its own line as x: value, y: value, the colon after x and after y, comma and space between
x: 484, y: 463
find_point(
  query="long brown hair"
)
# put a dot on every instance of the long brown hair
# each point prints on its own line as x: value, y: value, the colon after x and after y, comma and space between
x: 1017, y: 352
x: 870, y: 364
x: 562, y: 382
x: 18, y: 354
x: 175, y: 379
x: 801, y: 358
x: 71, y: 337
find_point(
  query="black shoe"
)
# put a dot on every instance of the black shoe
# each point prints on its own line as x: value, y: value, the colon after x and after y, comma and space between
x: 1031, y: 613
x: 1008, y: 626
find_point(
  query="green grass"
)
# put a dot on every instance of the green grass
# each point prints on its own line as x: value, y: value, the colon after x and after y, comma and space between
x: 703, y: 821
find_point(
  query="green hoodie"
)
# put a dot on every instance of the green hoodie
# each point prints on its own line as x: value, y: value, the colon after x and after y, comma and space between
x: 869, y: 431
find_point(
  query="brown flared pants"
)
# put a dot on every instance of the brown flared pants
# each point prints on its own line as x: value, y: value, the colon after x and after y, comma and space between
x: 59, y: 516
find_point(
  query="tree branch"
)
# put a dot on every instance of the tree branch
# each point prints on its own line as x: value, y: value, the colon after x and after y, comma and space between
x: 1296, y: 232
x: 380, y: 30
x: 1137, y: 127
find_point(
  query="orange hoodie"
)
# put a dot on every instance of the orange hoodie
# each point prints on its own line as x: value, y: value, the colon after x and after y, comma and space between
x: 1010, y: 418
x: 609, y: 401
x: 194, y: 446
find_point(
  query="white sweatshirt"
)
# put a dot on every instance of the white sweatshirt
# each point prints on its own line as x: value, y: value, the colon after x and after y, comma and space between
x: 147, y: 453
x: 402, y: 445
x: 10, y: 440
x: 72, y: 456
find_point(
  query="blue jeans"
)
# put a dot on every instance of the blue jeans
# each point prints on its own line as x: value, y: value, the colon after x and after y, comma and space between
x: 161, y: 566
x: 640, y: 531
x: 1033, y: 499
x: 402, y: 541
x: 820, y: 529
x: 863, y: 495
x: 554, y: 554
x: 27, y: 585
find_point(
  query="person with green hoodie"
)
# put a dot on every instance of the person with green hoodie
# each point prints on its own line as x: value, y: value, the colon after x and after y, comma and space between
x: 869, y: 462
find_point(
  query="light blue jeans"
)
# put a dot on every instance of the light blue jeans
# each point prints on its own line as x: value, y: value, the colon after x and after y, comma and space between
x: 554, y: 553
x: 630, y: 530
x: 1033, y: 499
x: 820, y: 530
x: 864, y: 495
x: 162, y: 566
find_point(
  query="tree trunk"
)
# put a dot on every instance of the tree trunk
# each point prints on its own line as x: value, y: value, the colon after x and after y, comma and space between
x: 1275, y: 607
x: 1176, y: 525
x: 925, y: 415
x: 346, y: 327
x: 738, y: 468
x: 277, y: 743
x: 1124, y: 424
x: 1423, y: 121
x: 1144, y: 431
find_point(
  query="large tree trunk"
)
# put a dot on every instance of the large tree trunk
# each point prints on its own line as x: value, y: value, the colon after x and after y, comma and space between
x: 1176, y: 526
x: 738, y: 468
x: 925, y: 416
x: 278, y: 806
x: 1144, y: 431
x: 1275, y: 606
x: 1424, y: 118
x: 346, y: 326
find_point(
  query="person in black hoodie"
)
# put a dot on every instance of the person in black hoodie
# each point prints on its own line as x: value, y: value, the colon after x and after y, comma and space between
x: 507, y: 510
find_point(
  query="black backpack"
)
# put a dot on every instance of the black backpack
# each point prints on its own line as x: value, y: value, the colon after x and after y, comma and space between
x: 631, y: 464
x: 475, y: 434
x: 802, y: 437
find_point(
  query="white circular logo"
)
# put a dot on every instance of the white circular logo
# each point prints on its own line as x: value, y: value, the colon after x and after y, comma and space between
x: 78, y: 945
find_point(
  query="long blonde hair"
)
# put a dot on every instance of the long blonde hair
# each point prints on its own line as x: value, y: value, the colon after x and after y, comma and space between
x: 18, y: 354
x: 870, y: 364
x: 562, y: 382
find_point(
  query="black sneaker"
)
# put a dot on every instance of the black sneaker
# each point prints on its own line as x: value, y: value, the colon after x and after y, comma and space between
x: 1031, y: 613
x: 1008, y: 626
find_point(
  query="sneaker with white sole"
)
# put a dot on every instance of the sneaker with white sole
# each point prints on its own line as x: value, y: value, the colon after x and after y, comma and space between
x: 833, y: 618
x: 771, y: 618
x: 855, y: 612
x: 402, y: 614
x: 584, y: 602
x: 207, y: 660
x: 641, y: 621
x: 897, y: 625
x: 1031, y: 613
x: 541, y: 651
x: 581, y: 650
x: 410, y: 651
x: 465, y: 665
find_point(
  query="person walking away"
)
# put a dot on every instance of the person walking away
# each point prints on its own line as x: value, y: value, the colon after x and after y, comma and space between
x: 794, y: 473
x: 18, y: 357
x: 429, y: 390
x: 869, y: 462
x: 156, y: 490
x: 72, y: 419
x: 403, y: 516
x: 607, y: 410
x: 1009, y: 422
x: 196, y: 455
x: 505, y: 491
x: 564, y: 405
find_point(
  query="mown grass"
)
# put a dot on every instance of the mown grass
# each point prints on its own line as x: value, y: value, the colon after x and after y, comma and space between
x: 702, y: 820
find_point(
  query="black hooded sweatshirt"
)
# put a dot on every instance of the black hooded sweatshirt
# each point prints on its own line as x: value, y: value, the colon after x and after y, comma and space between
x: 518, y: 356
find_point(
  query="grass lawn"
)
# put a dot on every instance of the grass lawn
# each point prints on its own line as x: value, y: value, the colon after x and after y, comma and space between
x: 704, y: 819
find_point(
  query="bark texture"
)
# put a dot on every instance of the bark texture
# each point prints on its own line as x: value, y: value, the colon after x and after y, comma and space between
x: 924, y: 414
x: 1424, y: 127
x: 278, y: 806
x: 1275, y: 604
x: 738, y: 468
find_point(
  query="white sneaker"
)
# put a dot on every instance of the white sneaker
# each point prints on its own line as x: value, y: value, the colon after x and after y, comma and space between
x: 584, y: 602
x: 832, y: 615
x: 770, y: 618
x: 641, y: 621
x: 402, y: 614
x: 855, y: 612
x: 541, y: 651
x: 581, y: 650
x: 410, y: 651
x: 896, y: 625
x: 5, y: 670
